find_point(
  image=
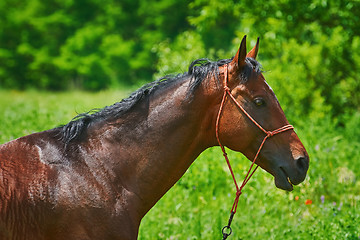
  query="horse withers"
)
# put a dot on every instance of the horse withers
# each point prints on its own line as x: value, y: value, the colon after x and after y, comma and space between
x: 97, y: 176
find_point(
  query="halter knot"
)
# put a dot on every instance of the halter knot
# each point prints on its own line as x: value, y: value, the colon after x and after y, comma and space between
x: 226, y: 88
x: 270, y: 134
x: 238, y: 193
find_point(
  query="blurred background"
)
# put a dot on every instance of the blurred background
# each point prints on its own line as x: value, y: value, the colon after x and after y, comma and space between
x: 310, y: 49
x: 59, y: 53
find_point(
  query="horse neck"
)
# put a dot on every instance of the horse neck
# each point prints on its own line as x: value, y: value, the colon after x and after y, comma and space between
x: 153, y: 146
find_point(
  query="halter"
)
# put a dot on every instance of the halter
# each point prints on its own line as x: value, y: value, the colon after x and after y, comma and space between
x: 226, y: 231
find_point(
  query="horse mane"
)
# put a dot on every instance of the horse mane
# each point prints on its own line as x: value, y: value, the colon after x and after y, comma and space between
x: 198, y: 71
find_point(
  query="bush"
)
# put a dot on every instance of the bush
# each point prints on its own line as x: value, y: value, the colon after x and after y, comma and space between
x: 310, y: 50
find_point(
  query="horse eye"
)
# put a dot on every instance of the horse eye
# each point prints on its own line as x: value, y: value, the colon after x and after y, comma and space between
x: 259, y: 101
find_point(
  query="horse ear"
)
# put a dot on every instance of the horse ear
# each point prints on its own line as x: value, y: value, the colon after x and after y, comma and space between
x: 239, y: 59
x: 253, y: 53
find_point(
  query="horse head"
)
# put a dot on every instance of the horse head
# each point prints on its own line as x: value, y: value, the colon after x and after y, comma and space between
x: 282, y: 155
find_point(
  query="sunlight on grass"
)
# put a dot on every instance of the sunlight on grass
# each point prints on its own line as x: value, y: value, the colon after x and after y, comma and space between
x: 26, y: 112
x: 325, y: 206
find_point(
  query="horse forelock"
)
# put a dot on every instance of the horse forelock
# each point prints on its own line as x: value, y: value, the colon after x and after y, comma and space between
x: 256, y: 66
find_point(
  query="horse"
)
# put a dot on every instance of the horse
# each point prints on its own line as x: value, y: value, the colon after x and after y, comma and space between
x: 97, y: 176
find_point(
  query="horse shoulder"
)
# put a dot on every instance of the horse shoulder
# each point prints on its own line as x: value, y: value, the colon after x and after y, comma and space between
x: 20, y: 165
x: 24, y: 183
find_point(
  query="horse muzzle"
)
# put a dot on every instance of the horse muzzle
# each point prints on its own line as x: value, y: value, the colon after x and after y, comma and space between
x: 287, y: 176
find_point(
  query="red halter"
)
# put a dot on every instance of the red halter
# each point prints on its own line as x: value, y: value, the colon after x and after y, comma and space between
x: 249, y: 173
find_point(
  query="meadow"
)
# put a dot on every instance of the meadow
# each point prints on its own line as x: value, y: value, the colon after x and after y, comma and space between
x: 325, y: 206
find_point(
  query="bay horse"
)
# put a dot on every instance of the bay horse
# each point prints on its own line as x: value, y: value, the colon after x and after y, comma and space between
x: 97, y: 176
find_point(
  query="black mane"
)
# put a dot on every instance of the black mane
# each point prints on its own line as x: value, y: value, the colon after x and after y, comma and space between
x: 198, y: 71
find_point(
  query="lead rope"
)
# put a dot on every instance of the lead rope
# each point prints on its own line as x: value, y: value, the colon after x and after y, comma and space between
x: 226, y: 230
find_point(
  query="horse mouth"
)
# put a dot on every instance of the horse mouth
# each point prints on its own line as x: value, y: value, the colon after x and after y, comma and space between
x: 283, y: 181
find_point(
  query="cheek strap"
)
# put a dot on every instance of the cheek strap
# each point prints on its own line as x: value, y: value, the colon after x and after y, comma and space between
x: 226, y: 231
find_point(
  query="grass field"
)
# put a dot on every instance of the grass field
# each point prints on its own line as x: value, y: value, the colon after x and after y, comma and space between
x: 325, y: 206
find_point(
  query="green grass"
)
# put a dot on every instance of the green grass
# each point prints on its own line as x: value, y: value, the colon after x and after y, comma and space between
x: 198, y: 206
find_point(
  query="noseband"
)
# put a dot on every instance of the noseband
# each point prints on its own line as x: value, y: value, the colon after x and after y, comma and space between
x: 226, y: 231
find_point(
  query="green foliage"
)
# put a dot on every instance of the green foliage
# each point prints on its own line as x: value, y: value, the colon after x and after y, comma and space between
x: 310, y: 49
x: 84, y: 44
x: 177, y: 57
x: 198, y: 206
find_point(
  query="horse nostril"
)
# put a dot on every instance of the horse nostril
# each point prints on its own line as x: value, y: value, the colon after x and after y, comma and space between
x: 302, y: 163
